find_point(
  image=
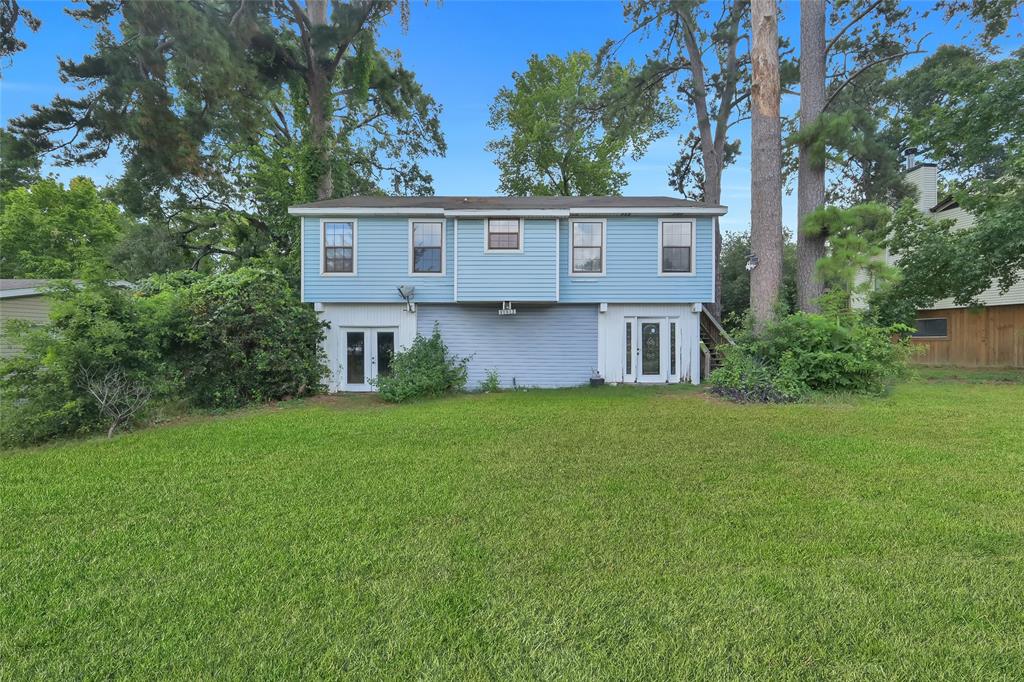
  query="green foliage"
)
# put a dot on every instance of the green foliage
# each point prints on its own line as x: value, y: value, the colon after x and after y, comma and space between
x: 93, y: 329
x: 47, y: 231
x: 838, y: 350
x: 215, y: 341
x: 570, y: 123
x: 245, y: 337
x: 19, y: 162
x: 492, y: 382
x: 964, y: 109
x: 425, y: 369
x: 736, y: 277
x: 227, y: 112
x: 855, y: 261
x: 744, y: 378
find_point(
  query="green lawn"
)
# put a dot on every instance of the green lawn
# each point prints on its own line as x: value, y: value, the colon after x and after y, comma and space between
x: 609, y: 533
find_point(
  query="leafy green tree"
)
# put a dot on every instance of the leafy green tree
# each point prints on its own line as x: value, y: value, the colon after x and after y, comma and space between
x: 964, y: 108
x: 736, y: 277
x: 568, y: 128
x: 19, y: 162
x: 49, y: 231
x: 209, y: 103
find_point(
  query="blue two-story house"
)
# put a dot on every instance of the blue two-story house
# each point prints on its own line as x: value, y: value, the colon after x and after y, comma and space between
x: 545, y: 291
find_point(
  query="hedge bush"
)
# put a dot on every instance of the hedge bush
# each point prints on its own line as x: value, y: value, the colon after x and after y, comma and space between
x: 837, y: 351
x: 425, y: 369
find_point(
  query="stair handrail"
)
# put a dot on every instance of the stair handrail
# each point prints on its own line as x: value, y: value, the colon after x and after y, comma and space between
x: 718, y: 326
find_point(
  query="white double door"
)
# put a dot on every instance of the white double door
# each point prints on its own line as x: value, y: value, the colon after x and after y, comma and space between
x: 651, y: 350
x: 365, y: 354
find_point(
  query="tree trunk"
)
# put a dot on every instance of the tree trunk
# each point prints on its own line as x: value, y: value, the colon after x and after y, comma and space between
x: 766, y: 163
x: 319, y: 94
x: 811, y: 172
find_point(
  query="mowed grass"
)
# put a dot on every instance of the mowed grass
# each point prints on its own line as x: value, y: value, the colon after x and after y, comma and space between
x: 612, y: 533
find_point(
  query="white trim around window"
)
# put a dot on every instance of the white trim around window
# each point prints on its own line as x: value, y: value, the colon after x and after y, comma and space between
x: 323, y: 247
x: 444, y: 246
x: 693, y: 248
x: 487, y: 236
x: 572, y: 247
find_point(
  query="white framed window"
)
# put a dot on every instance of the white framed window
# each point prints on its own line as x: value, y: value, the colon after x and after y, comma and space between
x: 675, y: 247
x: 504, y: 235
x: 931, y: 328
x: 426, y: 247
x: 588, y: 247
x: 338, y: 256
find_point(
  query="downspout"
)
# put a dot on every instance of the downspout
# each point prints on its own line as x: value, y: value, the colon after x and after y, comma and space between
x: 455, y: 230
x: 558, y: 246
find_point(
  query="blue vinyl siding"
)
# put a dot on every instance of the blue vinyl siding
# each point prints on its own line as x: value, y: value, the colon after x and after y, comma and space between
x: 526, y: 276
x: 631, y: 272
x: 546, y: 347
x: 382, y: 264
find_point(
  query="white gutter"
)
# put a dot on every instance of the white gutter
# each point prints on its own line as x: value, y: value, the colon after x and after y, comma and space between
x: 517, y: 212
x: 455, y: 293
x: 365, y: 210
x: 647, y: 210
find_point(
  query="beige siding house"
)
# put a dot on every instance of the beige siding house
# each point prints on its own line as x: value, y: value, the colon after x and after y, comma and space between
x: 988, y: 336
x: 21, y: 299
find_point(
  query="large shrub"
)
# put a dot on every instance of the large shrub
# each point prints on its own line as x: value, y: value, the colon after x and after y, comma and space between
x: 839, y: 350
x: 97, y: 334
x: 425, y: 369
x: 245, y: 337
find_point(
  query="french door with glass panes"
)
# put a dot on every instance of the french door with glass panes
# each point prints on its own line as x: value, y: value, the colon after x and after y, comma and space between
x: 651, y: 350
x: 365, y: 355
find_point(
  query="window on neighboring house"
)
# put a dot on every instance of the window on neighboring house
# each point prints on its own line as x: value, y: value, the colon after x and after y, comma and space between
x: 931, y: 328
x: 588, y: 247
x: 504, y: 235
x: 676, y: 247
x: 339, y: 247
x: 427, y: 246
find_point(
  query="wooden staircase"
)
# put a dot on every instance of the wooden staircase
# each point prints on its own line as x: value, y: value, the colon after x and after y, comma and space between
x: 713, y: 338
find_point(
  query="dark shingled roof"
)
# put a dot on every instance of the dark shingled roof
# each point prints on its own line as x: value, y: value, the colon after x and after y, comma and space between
x: 485, y: 203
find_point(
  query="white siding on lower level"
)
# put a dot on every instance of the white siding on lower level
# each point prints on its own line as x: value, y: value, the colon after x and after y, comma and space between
x: 612, y: 337
x: 364, y: 316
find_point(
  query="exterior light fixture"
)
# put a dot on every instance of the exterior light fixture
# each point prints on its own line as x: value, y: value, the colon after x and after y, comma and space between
x: 751, y: 261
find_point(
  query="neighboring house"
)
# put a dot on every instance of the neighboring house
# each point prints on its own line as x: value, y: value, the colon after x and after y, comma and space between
x: 21, y: 299
x: 991, y: 335
x: 546, y: 291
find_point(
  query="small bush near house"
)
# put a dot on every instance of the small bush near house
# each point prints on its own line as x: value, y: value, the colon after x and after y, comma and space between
x: 747, y: 379
x: 425, y: 369
x: 491, y: 383
x: 839, y: 350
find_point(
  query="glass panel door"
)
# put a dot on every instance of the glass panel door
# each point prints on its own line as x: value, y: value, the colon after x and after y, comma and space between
x: 355, y: 358
x: 650, y: 349
x: 385, y: 351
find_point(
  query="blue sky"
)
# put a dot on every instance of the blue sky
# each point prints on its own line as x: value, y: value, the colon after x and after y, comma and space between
x: 462, y: 52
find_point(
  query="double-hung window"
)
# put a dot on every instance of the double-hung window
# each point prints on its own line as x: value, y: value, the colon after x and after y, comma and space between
x: 588, y: 247
x: 504, y: 234
x: 676, y: 242
x: 427, y: 247
x: 339, y: 247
